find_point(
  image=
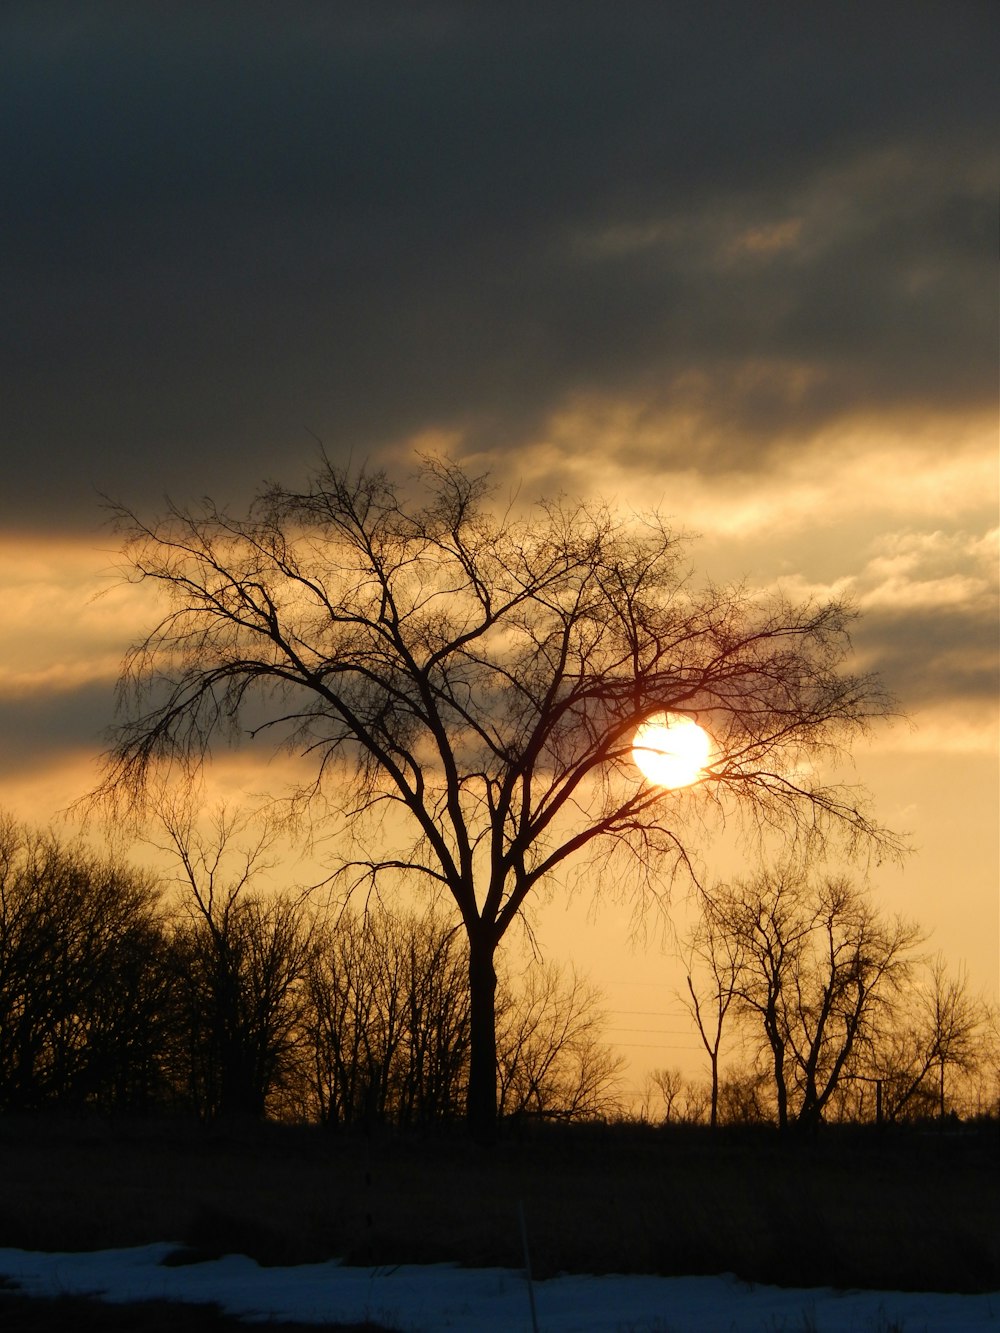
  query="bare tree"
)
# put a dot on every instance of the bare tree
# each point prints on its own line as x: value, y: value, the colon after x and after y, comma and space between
x: 670, y: 1084
x: 241, y: 961
x: 669, y: 1098
x: 820, y: 971
x: 857, y: 970
x: 80, y: 975
x: 715, y: 954
x: 553, y: 1061
x: 938, y: 1027
x: 438, y: 1020
x: 988, y: 1063
x: 955, y: 1019
x: 482, y: 674
x: 370, y: 1018
x: 764, y: 916
x: 745, y: 1096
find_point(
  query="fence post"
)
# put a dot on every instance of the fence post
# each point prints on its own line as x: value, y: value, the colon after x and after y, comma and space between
x: 527, y: 1265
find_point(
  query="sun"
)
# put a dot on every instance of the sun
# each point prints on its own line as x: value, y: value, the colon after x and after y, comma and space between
x: 671, y: 750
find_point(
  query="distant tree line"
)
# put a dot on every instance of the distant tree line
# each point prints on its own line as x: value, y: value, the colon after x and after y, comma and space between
x: 229, y: 1002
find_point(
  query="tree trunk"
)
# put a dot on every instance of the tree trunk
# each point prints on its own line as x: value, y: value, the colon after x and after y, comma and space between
x: 240, y: 1095
x: 780, y: 1087
x: 810, y: 1110
x: 941, y: 1093
x: 481, y: 1106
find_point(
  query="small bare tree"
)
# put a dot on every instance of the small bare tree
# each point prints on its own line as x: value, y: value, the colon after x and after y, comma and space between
x: 387, y: 1022
x: 937, y: 1027
x: 670, y: 1098
x: 988, y: 1063
x: 716, y: 956
x: 553, y: 1061
x: 241, y: 960
x: 954, y: 1018
x: 669, y: 1083
x: 746, y: 1096
x: 820, y: 972
x: 482, y: 675
x: 438, y: 1022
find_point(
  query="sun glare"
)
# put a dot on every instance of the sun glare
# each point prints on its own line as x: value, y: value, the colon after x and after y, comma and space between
x: 671, y: 750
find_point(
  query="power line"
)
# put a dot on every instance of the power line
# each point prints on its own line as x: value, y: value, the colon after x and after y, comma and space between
x: 653, y: 1032
x: 655, y: 1046
x: 644, y: 1013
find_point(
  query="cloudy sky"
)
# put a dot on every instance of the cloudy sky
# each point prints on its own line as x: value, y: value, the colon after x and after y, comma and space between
x: 737, y: 260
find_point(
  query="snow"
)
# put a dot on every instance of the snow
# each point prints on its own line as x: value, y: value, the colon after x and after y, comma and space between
x: 425, y: 1299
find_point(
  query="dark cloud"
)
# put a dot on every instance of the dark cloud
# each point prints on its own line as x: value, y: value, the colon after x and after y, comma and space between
x: 37, y: 729
x: 228, y: 226
x: 935, y: 655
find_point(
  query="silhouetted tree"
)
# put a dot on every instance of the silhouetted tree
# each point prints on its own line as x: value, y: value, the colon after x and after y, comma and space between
x: 553, y: 1061
x: 483, y: 674
x: 745, y: 1096
x: 819, y: 973
x: 668, y: 1097
x: 388, y: 1025
x: 988, y: 1063
x: 937, y: 1027
x: 240, y: 963
x: 438, y: 1024
x: 672, y: 1086
x: 127, y: 1025
x: 715, y: 953
x: 390, y: 1035
x: 80, y: 975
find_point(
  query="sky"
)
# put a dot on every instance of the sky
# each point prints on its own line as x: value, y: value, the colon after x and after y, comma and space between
x: 489, y: 1300
x: 736, y: 261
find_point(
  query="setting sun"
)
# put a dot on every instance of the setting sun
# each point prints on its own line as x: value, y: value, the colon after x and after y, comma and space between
x: 671, y: 750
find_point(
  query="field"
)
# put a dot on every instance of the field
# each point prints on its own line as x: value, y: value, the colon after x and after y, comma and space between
x: 914, y: 1210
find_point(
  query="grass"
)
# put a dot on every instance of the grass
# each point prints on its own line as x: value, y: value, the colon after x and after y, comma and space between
x: 908, y: 1211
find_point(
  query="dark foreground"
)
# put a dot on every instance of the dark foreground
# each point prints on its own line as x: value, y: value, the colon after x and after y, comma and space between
x: 914, y: 1210
x: 23, y: 1314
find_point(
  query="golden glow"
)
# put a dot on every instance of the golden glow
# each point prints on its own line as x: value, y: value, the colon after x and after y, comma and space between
x: 671, y: 750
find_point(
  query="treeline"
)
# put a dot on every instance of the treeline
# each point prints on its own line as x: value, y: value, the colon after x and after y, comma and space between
x: 217, y: 1000
x: 826, y: 1009
x: 225, y: 1002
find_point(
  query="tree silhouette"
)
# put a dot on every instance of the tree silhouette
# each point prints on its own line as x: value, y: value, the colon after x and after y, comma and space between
x: 481, y: 674
x: 81, y: 976
x: 715, y: 954
x: 240, y: 960
x: 817, y: 973
x: 940, y: 1028
x: 551, y: 1055
x: 388, y: 1029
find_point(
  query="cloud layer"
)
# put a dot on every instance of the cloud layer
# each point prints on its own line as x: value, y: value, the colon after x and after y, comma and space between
x: 735, y: 261
x: 227, y: 229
